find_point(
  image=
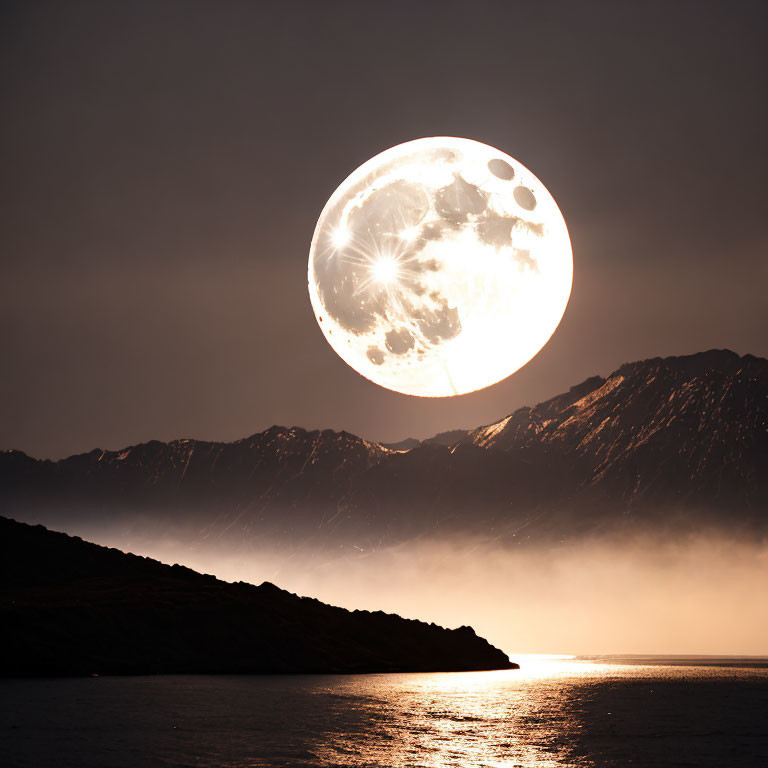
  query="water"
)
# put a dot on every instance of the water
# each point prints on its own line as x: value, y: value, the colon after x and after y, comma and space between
x: 551, y: 713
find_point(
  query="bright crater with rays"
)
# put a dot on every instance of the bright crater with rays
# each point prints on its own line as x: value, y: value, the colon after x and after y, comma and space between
x: 440, y: 267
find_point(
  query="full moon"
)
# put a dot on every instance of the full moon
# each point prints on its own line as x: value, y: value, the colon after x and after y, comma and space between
x: 439, y: 267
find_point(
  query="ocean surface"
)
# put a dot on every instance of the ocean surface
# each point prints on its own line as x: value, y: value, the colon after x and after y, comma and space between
x: 553, y: 712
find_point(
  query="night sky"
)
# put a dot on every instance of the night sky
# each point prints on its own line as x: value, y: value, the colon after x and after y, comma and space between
x: 164, y: 165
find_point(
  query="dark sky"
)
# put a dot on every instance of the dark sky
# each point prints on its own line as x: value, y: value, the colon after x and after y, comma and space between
x: 164, y: 165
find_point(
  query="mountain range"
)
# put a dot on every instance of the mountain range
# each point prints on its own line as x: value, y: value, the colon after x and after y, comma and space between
x: 679, y: 441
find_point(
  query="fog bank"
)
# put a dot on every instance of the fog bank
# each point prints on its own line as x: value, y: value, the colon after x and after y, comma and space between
x: 704, y: 594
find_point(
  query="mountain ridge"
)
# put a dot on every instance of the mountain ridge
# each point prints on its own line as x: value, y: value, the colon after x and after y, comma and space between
x: 679, y: 433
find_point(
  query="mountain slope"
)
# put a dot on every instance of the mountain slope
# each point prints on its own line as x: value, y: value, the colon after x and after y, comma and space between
x: 70, y: 607
x: 691, y: 429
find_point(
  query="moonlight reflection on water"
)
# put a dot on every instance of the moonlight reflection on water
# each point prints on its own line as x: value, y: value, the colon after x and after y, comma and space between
x: 550, y: 714
x: 465, y: 719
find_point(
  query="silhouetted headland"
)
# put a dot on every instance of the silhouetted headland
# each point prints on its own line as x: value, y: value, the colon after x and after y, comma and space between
x: 69, y: 607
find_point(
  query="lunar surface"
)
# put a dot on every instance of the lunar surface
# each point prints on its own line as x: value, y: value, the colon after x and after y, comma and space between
x: 440, y: 267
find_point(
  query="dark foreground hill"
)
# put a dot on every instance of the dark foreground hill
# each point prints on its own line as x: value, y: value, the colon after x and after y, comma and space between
x: 68, y: 607
x: 680, y: 440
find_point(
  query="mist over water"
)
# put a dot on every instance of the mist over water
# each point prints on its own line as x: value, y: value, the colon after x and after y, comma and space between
x: 647, y: 594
